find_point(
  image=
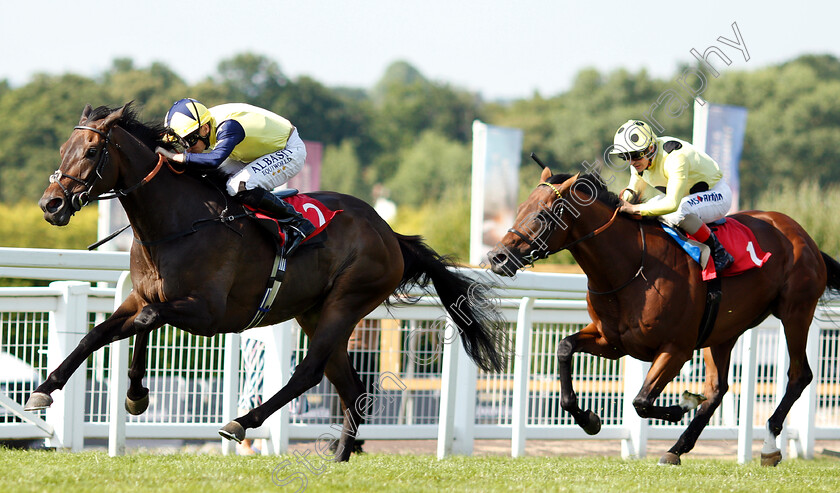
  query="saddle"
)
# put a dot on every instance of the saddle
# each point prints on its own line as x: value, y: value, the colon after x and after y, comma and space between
x: 313, y: 210
x: 316, y: 213
x: 738, y: 240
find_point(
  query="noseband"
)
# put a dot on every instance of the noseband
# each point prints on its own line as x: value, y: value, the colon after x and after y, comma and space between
x: 81, y: 199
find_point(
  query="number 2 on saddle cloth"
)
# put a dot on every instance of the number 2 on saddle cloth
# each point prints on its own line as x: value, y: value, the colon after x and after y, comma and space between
x: 313, y: 210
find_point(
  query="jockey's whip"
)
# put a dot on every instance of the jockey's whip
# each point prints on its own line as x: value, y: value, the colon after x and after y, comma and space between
x: 535, y: 158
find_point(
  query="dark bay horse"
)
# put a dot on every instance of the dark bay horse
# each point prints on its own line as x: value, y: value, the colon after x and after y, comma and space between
x: 646, y: 297
x: 211, y: 279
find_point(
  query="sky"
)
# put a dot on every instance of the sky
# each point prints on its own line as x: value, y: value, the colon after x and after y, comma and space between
x: 499, y: 49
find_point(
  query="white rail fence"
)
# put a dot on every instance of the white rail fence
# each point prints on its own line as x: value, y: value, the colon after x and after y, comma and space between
x: 421, y: 382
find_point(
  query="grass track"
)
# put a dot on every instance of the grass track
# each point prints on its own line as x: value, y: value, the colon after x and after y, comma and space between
x: 22, y: 471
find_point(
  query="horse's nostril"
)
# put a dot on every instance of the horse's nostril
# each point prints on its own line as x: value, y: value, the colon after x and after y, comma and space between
x: 54, y: 205
x: 497, y: 258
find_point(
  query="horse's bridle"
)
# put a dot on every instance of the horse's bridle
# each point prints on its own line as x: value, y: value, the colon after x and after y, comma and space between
x: 540, y: 253
x: 81, y: 199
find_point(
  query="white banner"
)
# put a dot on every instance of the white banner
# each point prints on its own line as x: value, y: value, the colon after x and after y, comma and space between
x: 719, y: 130
x: 497, y: 154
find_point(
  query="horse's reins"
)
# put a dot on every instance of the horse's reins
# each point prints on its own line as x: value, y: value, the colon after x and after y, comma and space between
x: 537, y: 253
x: 81, y: 199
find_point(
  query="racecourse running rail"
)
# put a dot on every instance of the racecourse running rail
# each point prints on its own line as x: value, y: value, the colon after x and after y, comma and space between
x: 420, y: 385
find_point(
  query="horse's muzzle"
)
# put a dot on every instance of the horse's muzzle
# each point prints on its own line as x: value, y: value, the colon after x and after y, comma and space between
x: 56, y: 209
x: 501, y: 263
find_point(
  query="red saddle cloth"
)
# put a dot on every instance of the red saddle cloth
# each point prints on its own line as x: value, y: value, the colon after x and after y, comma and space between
x: 313, y: 210
x: 741, y: 243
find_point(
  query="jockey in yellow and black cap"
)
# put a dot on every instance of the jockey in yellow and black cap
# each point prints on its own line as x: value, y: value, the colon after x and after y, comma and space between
x: 255, y: 149
x: 695, y: 192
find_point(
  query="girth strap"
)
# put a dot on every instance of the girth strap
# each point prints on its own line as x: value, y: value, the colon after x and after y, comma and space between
x: 278, y: 274
x: 710, y: 312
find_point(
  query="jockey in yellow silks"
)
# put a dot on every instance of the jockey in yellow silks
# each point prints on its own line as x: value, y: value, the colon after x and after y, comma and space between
x: 695, y: 192
x: 255, y: 149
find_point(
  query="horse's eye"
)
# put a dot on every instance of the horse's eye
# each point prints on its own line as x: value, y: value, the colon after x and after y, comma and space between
x: 91, y: 153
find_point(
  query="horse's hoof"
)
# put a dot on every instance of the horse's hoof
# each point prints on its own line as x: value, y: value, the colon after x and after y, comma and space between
x: 38, y: 400
x: 593, y: 425
x: 772, y: 459
x: 137, y: 407
x: 233, y: 431
x: 669, y: 459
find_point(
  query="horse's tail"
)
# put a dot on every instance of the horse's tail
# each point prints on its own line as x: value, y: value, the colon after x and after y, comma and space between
x: 466, y: 300
x: 833, y: 269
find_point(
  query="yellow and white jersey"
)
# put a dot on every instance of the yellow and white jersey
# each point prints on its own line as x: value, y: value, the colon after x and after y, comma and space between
x: 677, y: 166
x: 265, y: 131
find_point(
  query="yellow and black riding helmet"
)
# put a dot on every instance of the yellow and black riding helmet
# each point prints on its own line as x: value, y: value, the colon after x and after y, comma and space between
x: 633, y: 140
x: 184, y: 119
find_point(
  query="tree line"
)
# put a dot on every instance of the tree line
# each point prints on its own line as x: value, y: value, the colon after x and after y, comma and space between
x: 413, y: 135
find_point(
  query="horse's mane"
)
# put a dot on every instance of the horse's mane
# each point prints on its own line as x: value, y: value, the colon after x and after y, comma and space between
x: 150, y: 134
x: 602, y: 194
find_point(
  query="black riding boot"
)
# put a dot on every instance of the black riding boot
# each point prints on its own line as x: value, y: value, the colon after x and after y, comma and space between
x: 297, y: 226
x: 721, y: 257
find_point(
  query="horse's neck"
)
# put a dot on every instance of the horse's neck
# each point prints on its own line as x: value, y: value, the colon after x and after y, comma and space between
x: 610, y: 257
x: 168, y: 203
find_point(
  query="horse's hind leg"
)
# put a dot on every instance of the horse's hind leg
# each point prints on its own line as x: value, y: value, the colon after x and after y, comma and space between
x: 717, y: 370
x: 338, y: 318
x: 588, y: 340
x: 350, y: 388
x: 799, y: 376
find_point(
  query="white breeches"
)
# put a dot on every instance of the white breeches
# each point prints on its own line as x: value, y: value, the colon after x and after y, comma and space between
x: 269, y: 171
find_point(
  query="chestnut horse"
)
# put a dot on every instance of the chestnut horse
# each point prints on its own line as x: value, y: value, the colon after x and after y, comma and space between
x: 199, y: 264
x: 646, y: 297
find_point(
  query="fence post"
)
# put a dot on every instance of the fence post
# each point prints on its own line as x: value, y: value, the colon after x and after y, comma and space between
x: 448, y: 389
x: 68, y: 325
x: 805, y: 408
x: 466, y: 379
x: 230, y: 386
x: 278, y: 370
x: 746, y: 399
x: 118, y: 378
x: 521, y: 376
x: 635, y: 446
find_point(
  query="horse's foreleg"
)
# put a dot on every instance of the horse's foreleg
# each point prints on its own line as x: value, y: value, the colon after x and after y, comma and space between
x: 717, y: 369
x: 588, y: 340
x: 192, y: 312
x: 118, y: 326
x: 137, y: 397
x: 664, y: 368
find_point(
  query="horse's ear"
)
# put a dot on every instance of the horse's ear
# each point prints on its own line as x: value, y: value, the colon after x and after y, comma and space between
x: 114, y: 116
x: 546, y: 174
x: 85, y: 114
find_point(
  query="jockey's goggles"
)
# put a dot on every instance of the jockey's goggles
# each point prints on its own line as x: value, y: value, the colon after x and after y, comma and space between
x: 192, y: 138
x: 633, y: 156
x: 186, y: 142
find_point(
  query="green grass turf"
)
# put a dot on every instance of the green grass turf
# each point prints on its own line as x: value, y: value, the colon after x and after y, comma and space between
x: 183, y: 473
